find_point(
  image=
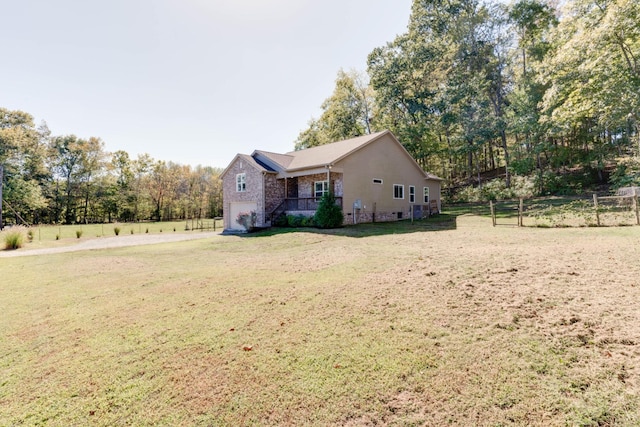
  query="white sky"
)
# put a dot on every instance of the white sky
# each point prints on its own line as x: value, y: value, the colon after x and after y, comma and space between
x: 191, y: 81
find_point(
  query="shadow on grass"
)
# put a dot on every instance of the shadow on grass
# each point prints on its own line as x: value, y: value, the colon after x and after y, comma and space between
x: 444, y: 221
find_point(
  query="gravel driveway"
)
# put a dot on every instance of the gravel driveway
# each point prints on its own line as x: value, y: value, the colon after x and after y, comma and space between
x: 111, y: 242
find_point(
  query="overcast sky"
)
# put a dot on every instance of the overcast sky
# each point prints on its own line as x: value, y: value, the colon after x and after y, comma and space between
x: 191, y: 81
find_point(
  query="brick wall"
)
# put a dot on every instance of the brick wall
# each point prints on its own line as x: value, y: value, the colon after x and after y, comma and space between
x: 254, y: 192
x: 367, y: 216
x: 274, y: 193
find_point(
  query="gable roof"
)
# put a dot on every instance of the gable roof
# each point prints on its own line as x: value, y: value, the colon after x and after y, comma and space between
x: 260, y: 166
x: 283, y: 160
x: 319, y: 156
x: 329, y: 153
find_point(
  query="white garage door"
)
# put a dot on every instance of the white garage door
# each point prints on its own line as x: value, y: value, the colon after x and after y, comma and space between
x: 240, y: 207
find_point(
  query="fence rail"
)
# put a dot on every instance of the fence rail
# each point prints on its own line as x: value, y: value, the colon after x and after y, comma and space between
x: 620, y: 210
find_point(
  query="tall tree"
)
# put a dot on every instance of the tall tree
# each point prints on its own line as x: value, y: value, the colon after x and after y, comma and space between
x: 593, y: 74
x: 22, y: 154
x: 345, y: 114
x: 76, y: 162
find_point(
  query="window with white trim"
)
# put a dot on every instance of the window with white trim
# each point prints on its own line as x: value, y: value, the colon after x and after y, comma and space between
x: 241, y: 182
x: 398, y: 191
x: 412, y: 194
x: 426, y: 194
x: 321, y: 188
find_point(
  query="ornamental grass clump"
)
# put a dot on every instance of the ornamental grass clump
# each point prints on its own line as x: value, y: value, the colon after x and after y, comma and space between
x: 14, y: 237
x: 116, y: 230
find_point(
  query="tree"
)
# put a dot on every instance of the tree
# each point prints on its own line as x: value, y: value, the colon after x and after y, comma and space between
x: 22, y: 156
x: 76, y: 162
x: 346, y: 113
x: 442, y: 87
x: 593, y: 75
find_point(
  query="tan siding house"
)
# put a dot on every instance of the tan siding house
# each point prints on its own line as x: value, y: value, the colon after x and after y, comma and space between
x: 373, y: 177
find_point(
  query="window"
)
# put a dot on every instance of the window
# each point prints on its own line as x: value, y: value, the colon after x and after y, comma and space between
x: 426, y: 194
x: 412, y: 194
x: 398, y: 191
x: 377, y: 181
x: 241, y: 182
x: 321, y: 188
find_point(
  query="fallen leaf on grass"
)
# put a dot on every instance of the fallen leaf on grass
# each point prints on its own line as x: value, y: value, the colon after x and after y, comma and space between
x: 247, y: 348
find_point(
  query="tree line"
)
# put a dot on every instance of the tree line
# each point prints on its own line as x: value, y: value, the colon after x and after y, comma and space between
x: 67, y: 179
x: 529, y: 88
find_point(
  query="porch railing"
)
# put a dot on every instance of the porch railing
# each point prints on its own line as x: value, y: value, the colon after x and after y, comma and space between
x: 306, y: 203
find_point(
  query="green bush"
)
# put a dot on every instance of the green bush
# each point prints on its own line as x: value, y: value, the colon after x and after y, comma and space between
x: 328, y: 215
x: 30, y: 235
x: 496, y: 189
x: 14, y: 237
x: 295, y: 220
x: 78, y: 234
x: 627, y: 174
x: 280, y: 221
x: 116, y: 230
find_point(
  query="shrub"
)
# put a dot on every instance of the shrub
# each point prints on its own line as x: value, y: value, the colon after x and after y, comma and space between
x: 328, y: 215
x: 14, y: 237
x: 78, y: 234
x: 280, y: 221
x: 116, y: 230
x: 497, y: 190
x: 147, y: 230
x: 627, y: 174
x: 295, y: 220
x: 132, y: 231
x: 30, y: 235
x: 247, y: 219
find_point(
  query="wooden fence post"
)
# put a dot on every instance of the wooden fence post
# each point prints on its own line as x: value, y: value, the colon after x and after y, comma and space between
x: 635, y: 205
x: 493, y: 213
x: 520, y: 212
x: 595, y: 205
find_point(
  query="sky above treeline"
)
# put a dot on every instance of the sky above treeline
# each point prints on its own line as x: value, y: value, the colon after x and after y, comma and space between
x: 189, y: 81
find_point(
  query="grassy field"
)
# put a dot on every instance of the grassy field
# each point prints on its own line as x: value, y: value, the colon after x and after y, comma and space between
x: 446, y: 322
x: 44, y: 236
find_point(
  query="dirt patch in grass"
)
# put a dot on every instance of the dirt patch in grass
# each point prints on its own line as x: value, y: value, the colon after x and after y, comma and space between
x: 471, y: 325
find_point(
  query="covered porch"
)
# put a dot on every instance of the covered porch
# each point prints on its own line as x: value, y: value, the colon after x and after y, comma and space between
x: 304, y: 193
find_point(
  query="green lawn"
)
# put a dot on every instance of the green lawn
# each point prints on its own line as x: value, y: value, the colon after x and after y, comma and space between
x: 442, y: 322
x: 55, y: 235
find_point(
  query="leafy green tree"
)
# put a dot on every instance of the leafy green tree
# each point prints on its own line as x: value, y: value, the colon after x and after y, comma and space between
x: 345, y: 114
x: 22, y: 156
x: 593, y: 74
x: 76, y: 162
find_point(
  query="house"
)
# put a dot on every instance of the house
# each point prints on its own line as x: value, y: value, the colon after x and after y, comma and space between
x: 373, y: 178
